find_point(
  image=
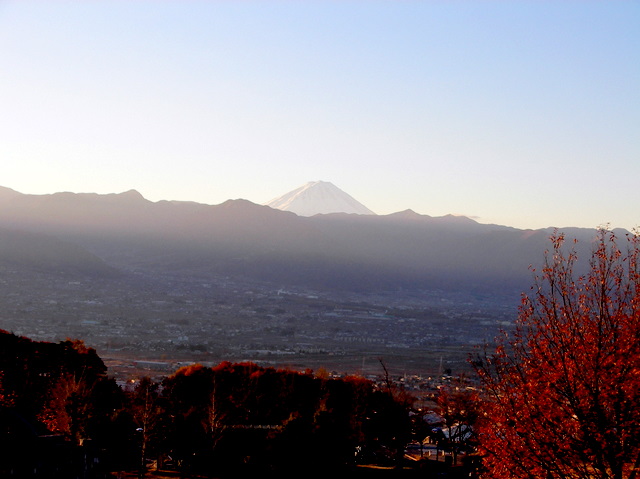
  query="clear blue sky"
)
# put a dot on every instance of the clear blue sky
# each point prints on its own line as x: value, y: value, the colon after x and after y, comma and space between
x: 518, y: 113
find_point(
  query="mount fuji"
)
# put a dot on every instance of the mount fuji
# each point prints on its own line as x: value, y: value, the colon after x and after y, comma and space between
x: 319, y: 197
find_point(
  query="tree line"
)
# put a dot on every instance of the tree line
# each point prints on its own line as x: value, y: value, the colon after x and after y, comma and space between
x: 199, y: 420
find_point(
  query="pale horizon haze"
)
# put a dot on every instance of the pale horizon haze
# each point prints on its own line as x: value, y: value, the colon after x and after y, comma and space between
x: 524, y: 114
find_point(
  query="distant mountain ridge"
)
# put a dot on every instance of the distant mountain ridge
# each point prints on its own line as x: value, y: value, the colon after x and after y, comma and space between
x: 239, y: 238
x: 319, y: 197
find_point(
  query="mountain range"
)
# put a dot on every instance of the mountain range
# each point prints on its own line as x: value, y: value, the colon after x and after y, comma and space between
x: 102, y: 234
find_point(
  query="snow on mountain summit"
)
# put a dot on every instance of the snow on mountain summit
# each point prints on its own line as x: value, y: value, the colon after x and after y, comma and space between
x: 319, y: 197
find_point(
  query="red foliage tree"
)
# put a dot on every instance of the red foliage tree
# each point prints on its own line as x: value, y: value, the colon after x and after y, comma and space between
x: 563, y: 391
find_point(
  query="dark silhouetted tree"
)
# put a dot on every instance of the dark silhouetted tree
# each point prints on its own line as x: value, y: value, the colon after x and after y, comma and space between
x: 146, y: 411
x: 458, y: 407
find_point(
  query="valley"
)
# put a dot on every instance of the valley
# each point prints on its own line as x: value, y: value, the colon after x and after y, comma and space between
x: 161, y: 321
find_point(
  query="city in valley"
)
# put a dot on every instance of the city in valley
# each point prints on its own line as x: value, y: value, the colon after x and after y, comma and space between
x: 153, y: 324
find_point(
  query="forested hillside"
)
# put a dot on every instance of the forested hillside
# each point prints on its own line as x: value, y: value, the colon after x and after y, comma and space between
x: 62, y: 416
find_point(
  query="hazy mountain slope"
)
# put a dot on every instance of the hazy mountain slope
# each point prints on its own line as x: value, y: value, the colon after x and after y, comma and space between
x: 7, y: 193
x: 31, y: 251
x: 128, y: 230
x: 402, y: 250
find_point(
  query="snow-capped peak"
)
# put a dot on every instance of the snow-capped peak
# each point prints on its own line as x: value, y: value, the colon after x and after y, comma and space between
x: 319, y: 197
